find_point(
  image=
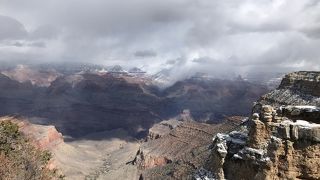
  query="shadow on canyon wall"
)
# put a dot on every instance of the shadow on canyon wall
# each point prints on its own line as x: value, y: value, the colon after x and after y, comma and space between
x: 79, y: 105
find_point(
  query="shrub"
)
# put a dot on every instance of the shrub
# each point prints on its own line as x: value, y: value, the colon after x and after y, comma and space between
x: 19, y: 158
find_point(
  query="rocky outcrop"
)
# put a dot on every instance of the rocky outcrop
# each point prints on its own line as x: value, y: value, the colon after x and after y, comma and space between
x: 179, y: 150
x: 163, y: 128
x: 304, y: 81
x: 269, y: 150
x: 279, y: 141
x: 43, y: 137
x: 298, y: 88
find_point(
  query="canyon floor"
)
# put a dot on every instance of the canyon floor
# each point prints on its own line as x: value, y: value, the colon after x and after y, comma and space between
x: 98, y: 159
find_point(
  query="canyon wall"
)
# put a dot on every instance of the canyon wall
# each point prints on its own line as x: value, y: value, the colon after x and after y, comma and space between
x: 280, y: 140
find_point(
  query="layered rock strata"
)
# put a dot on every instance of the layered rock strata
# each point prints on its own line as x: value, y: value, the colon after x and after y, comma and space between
x: 279, y: 141
x: 180, y: 149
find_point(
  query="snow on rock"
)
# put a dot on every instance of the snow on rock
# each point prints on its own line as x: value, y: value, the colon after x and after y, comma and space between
x: 203, y: 174
x: 221, y: 143
x: 231, y: 142
x: 301, y: 123
x: 299, y: 129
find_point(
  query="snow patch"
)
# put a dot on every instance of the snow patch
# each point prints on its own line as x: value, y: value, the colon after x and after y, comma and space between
x: 301, y: 123
x: 203, y: 174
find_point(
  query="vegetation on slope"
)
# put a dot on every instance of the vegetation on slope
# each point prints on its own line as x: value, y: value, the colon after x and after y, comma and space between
x: 19, y: 158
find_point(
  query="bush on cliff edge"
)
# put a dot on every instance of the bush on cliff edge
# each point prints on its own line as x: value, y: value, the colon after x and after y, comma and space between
x: 19, y: 159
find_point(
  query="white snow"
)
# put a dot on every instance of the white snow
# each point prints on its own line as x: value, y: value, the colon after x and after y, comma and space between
x: 256, y: 151
x: 307, y: 107
x: 222, y: 149
x: 302, y: 123
x: 203, y: 174
x: 266, y: 159
x: 237, y: 156
x: 221, y: 136
x: 306, y: 123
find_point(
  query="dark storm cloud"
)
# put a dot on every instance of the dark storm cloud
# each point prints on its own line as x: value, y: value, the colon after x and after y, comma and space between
x: 186, y: 36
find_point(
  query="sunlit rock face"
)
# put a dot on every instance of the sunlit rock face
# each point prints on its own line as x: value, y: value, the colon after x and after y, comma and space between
x: 42, y: 137
x: 280, y: 140
x: 41, y: 78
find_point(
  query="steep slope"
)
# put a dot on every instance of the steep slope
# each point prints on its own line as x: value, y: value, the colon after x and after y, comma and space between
x: 97, y: 103
x: 16, y: 98
x: 24, y: 150
x: 78, y: 101
x: 281, y: 140
x: 179, y: 150
x: 32, y: 151
x: 24, y: 73
x: 78, y: 104
x: 298, y: 88
x: 210, y: 100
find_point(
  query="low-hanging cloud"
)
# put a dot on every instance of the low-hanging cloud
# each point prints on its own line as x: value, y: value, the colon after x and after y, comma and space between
x: 184, y: 36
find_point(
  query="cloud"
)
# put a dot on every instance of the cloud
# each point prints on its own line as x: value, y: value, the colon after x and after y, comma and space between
x: 145, y: 53
x: 186, y: 36
x: 204, y: 60
x: 44, y: 32
x: 11, y: 29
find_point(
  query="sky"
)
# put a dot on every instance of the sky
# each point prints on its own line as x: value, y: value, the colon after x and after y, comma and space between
x: 220, y: 37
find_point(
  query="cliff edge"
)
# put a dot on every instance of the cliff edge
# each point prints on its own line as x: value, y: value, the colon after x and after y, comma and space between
x: 280, y: 140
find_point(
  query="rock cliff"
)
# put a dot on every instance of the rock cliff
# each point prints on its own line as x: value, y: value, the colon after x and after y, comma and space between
x: 177, y: 147
x: 79, y: 103
x: 298, y: 88
x: 43, y: 137
x: 280, y: 140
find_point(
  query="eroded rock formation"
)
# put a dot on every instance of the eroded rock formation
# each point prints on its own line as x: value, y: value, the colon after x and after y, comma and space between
x: 280, y: 140
x: 43, y: 137
x: 176, y: 148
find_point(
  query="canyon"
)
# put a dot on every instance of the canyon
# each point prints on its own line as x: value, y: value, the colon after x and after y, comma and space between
x: 78, y: 101
x: 117, y: 125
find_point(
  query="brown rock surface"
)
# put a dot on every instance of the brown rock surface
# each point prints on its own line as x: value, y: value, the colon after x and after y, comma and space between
x: 307, y: 82
x: 279, y: 145
x: 259, y: 134
x: 162, y: 128
x: 23, y: 73
x: 44, y: 137
x: 178, y: 153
